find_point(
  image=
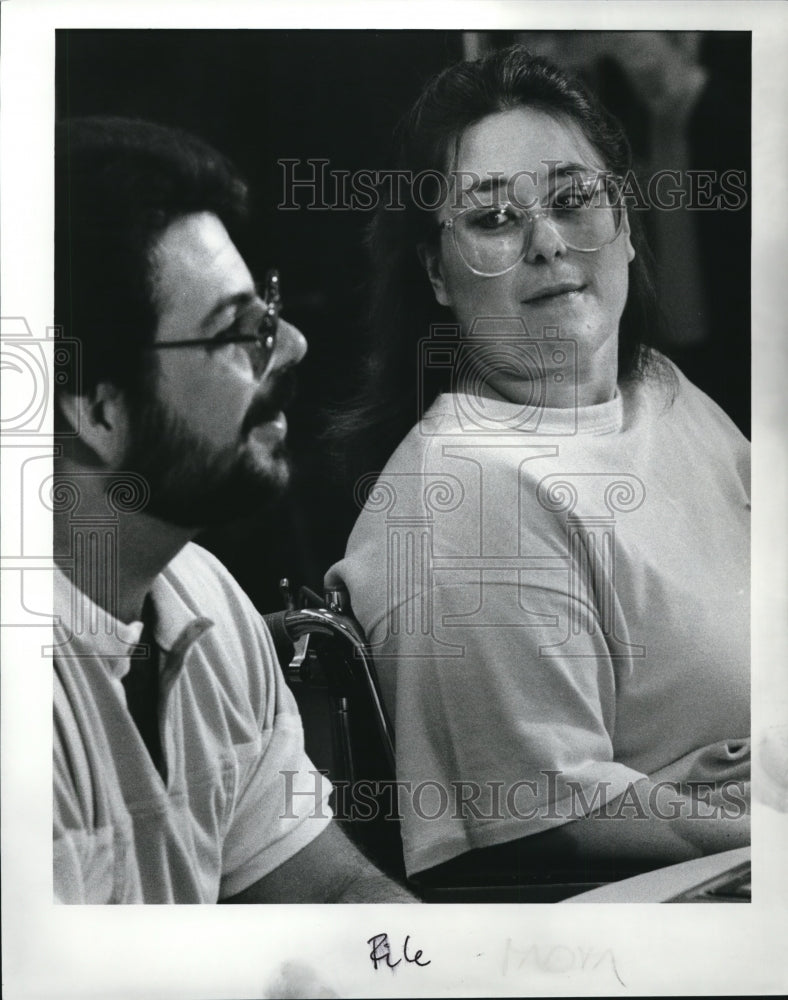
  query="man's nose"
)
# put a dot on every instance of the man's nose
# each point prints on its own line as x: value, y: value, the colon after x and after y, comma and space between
x: 290, y: 347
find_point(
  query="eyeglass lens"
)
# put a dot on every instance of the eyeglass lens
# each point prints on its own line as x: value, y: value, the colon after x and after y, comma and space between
x: 492, y: 239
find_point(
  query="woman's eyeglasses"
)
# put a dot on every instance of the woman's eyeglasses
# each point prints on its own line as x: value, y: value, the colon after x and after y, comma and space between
x: 587, y: 213
x: 254, y: 332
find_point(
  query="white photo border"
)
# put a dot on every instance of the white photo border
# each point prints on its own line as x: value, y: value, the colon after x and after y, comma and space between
x: 209, y: 952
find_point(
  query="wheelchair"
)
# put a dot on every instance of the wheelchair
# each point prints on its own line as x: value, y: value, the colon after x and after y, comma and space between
x: 329, y: 668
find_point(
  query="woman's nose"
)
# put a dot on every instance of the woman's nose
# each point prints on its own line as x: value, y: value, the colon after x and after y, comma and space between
x: 544, y: 241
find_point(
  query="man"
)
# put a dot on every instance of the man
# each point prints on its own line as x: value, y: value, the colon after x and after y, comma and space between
x: 180, y: 773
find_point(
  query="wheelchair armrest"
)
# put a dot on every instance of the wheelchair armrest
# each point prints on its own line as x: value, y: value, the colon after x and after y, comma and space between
x: 351, y: 671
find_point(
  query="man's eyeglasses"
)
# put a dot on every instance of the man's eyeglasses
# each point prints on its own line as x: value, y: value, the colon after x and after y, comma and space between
x: 254, y: 331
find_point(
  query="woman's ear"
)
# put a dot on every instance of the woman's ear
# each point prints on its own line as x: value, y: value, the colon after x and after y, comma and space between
x: 100, y: 420
x: 429, y: 256
x: 627, y: 236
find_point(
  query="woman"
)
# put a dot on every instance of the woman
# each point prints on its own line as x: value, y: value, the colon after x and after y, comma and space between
x: 552, y: 568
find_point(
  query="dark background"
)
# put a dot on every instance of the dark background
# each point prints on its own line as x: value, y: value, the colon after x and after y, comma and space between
x: 261, y: 96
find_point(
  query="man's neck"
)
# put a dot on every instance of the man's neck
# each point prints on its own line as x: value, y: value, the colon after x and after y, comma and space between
x: 141, y: 546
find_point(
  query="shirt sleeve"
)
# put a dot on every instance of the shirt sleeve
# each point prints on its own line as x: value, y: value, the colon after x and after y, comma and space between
x: 504, y: 717
x: 281, y: 803
x: 68, y: 838
x: 85, y: 860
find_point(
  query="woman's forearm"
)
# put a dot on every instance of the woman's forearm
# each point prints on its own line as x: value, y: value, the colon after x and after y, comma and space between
x: 639, y: 825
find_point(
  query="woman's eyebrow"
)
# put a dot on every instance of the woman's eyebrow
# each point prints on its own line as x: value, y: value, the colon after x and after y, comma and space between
x: 498, y: 179
x: 490, y: 183
x: 564, y: 169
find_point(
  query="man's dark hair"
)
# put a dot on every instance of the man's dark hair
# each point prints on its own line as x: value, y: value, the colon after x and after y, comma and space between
x: 119, y: 183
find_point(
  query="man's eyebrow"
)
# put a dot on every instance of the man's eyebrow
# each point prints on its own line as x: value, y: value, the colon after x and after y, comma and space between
x: 238, y: 299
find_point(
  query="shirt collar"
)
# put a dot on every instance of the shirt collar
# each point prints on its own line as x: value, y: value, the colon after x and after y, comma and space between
x: 484, y: 415
x: 174, y: 616
x: 95, y: 633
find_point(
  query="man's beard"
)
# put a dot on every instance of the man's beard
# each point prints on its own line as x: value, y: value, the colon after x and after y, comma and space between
x: 192, y: 483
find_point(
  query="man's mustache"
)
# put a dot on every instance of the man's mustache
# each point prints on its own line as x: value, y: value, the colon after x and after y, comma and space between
x: 267, y: 405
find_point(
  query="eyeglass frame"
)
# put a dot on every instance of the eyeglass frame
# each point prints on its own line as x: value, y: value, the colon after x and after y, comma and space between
x: 448, y: 225
x: 268, y: 328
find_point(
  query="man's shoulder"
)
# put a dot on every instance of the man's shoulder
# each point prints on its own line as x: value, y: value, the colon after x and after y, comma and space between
x: 193, y: 557
x: 237, y: 649
x: 195, y: 570
x: 196, y: 579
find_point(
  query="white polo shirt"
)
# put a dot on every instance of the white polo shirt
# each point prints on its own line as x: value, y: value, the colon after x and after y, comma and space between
x: 239, y: 796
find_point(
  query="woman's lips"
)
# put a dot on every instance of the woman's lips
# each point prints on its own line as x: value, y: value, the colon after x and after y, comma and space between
x: 551, y: 292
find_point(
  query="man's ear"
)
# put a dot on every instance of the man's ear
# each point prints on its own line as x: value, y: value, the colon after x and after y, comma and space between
x: 100, y: 420
x: 431, y: 262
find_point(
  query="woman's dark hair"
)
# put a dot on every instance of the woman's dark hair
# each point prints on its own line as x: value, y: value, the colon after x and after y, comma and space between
x: 118, y: 184
x: 396, y: 388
